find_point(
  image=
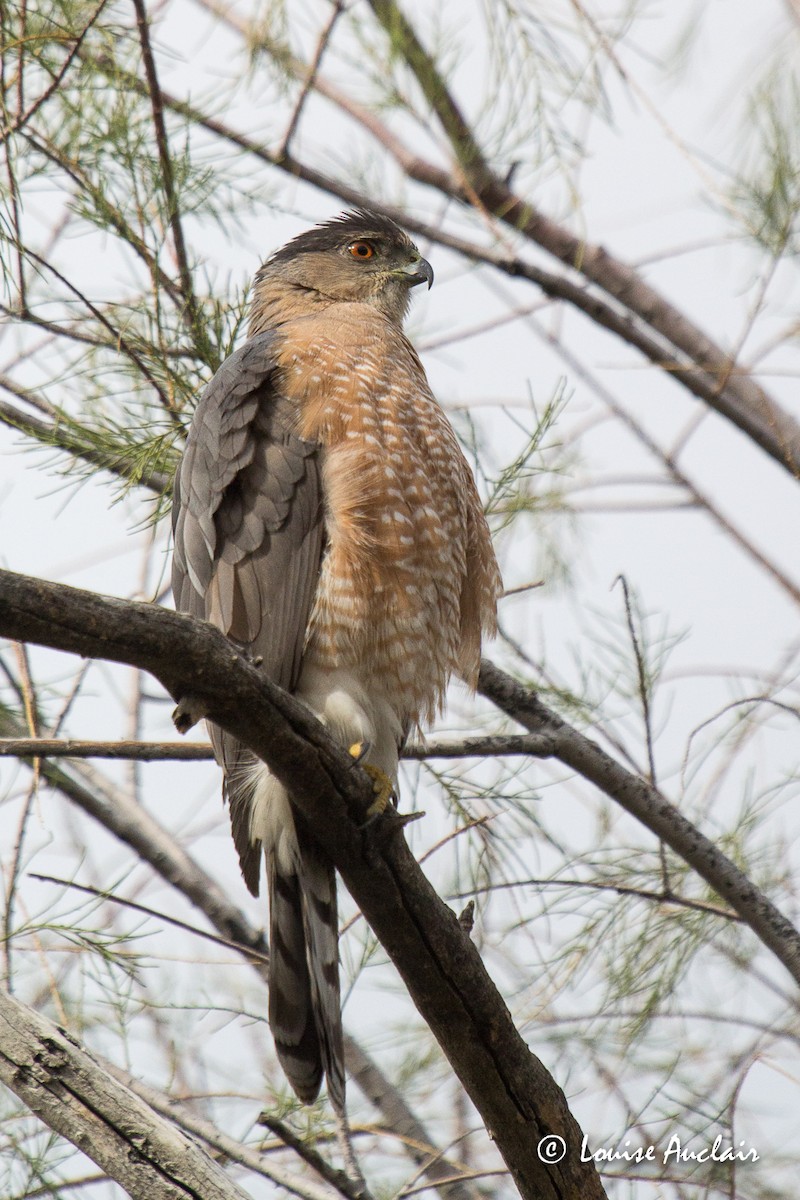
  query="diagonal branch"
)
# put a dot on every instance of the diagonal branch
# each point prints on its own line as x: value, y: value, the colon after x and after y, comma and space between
x: 737, y: 396
x: 519, y: 1102
x: 648, y: 806
x: 194, y: 312
x: 131, y: 824
x: 144, y: 1152
x: 310, y: 76
x: 63, y: 433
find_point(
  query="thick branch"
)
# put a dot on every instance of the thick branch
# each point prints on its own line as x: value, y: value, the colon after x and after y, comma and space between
x: 126, y: 820
x: 518, y: 1100
x: 144, y: 1152
x: 649, y: 807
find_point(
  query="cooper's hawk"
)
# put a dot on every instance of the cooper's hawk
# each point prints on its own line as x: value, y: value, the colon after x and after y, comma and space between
x: 326, y: 520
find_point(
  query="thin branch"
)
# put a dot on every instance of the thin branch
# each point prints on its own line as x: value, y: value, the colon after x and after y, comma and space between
x: 85, y: 186
x: 336, y: 1178
x: 130, y: 751
x: 621, y: 889
x: 311, y: 75
x: 57, y: 79
x: 193, y: 310
x: 494, y: 746
x: 122, y: 343
x: 63, y: 435
x: 401, y: 1120
x: 68, y: 1185
x: 225, y: 1147
x: 669, y: 460
x: 147, y: 911
x: 650, y: 808
x: 421, y: 1187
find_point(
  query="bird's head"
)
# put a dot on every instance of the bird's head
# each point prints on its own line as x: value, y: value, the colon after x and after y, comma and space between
x: 360, y: 256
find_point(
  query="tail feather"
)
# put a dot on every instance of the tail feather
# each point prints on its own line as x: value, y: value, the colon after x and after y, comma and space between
x: 291, y: 1006
x: 321, y: 929
x: 304, y: 994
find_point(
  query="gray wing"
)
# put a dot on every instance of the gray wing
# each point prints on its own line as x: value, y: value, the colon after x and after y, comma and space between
x: 248, y: 531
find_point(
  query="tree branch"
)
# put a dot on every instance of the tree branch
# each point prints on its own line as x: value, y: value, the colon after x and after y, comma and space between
x: 737, y: 396
x: 648, y: 806
x: 637, y: 313
x: 518, y: 1100
x: 193, y: 312
x: 492, y: 745
x: 227, y: 1147
x: 67, y: 436
x: 144, y: 1152
x: 132, y: 825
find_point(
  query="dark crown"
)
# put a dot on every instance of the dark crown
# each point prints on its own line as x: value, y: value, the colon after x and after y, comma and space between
x: 349, y: 227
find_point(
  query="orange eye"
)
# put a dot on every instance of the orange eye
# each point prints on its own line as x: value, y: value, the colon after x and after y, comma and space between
x: 362, y: 250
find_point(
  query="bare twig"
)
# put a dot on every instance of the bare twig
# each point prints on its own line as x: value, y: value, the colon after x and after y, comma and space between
x: 336, y: 1178
x: 147, y: 911
x: 122, y: 342
x: 311, y: 74
x: 698, y: 496
x: 193, y: 310
x: 592, y: 885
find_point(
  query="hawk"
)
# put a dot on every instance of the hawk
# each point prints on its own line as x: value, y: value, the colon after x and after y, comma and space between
x: 327, y: 522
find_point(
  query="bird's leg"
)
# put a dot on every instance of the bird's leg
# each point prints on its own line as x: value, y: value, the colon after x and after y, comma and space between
x: 381, y: 783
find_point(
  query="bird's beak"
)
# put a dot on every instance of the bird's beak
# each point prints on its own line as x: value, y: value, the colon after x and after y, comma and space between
x: 419, y: 271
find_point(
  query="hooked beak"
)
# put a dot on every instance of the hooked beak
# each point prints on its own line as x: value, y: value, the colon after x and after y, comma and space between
x: 419, y: 271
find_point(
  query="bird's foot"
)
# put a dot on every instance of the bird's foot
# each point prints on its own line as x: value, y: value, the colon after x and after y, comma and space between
x: 189, y: 711
x: 381, y: 783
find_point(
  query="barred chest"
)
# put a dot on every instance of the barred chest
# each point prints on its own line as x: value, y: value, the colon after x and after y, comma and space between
x: 390, y: 595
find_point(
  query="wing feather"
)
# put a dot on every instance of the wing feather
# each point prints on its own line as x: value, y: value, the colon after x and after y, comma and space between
x: 248, y: 530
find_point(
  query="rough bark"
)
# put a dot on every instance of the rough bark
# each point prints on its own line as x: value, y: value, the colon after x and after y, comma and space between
x: 146, y: 1154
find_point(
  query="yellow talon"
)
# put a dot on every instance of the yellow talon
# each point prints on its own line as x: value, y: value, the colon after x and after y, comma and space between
x: 382, y: 784
x: 383, y: 788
